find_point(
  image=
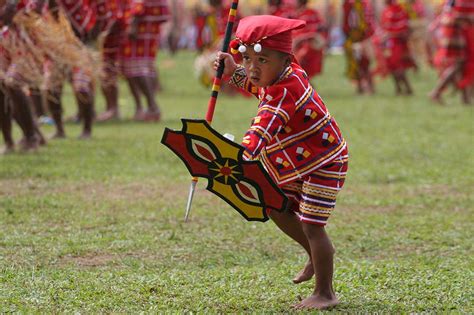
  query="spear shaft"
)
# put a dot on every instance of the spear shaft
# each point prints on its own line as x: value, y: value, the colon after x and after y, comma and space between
x: 211, y: 106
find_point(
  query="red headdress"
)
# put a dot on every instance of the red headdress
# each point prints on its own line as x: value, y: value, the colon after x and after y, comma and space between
x: 269, y: 31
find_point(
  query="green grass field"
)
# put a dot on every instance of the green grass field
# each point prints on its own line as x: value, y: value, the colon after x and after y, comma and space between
x: 97, y: 226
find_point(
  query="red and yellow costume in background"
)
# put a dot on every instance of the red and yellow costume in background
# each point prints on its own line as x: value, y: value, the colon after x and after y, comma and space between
x: 464, y: 10
x: 83, y: 17
x: 293, y: 134
x: 111, y: 18
x: 310, y: 41
x: 210, y: 38
x: 358, y: 26
x: 395, y: 24
x: 210, y: 26
x: 138, y: 54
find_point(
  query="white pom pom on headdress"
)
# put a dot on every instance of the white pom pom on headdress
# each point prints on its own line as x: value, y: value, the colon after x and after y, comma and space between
x: 257, y: 48
x: 242, y: 49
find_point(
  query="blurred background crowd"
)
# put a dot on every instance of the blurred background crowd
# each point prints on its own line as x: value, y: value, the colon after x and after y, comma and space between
x: 89, y: 43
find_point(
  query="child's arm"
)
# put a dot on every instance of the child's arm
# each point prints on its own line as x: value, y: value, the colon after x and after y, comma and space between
x: 274, y: 112
x: 237, y: 73
x: 239, y: 79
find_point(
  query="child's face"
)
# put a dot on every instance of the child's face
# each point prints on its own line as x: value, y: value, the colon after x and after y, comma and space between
x: 264, y: 68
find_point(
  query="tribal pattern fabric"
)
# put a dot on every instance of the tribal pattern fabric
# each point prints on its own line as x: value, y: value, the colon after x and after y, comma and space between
x: 138, y: 55
x: 293, y: 133
x: 314, y: 198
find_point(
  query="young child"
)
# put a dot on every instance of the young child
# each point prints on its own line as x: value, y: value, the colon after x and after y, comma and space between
x: 297, y: 140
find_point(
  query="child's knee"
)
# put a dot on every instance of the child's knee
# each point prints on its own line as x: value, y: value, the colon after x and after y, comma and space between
x: 314, y: 231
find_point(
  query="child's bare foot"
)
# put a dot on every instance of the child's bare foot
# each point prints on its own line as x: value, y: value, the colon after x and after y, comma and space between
x: 85, y: 135
x: 29, y: 145
x: 154, y: 115
x: 110, y: 114
x: 435, y: 97
x: 305, y: 274
x: 139, y: 115
x: 9, y: 148
x: 317, y: 301
x: 59, y: 135
x: 41, y: 140
x: 74, y: 119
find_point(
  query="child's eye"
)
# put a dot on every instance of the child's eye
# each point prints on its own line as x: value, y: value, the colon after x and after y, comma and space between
x: 246, y: 58
x: 262, y: 60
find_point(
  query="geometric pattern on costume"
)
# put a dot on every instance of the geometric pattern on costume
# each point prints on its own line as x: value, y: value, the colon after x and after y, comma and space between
x: 293, y: 133
x: 110, y: 16
x: 80, y: 14
x: 244, y: 185
x: 358, y: 26
x: 314, y: 198
x: 81, y: 81
x: 138, y: 55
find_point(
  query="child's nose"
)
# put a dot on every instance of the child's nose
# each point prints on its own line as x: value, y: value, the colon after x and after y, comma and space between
x: 252, y: 65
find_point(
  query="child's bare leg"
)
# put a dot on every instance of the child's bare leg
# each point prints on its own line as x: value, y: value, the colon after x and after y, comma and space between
x: 37, y: 100
x: 6, y: 123
x: 370, y: 83
x: 85, y: 100
x: 135, y: 90
x: 446, y: 78
x: 146, y: 85
x: 291, y: 226
x: 406, y: 83
x: 110, y: 92
x: 24, y: 116
x: 465, y: 96
x: 322, y: 255
x: 56, y: 110
x: 360, y: 86
x: 396, y: 80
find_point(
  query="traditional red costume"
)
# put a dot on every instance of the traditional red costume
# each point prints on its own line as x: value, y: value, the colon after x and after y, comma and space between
x: 110, y: 15
x: 293, y: 133
x: 310, y: 41
x: 395, y: 23
x: 138, y: 55
x: 464, y: 10
x: 358, y: 26
x: 81, y: 15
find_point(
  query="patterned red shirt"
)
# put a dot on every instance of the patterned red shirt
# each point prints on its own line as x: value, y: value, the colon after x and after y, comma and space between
x: 358, y: 19
x: 395, y: 21
x: 81, y: 15
x: 293, y: 133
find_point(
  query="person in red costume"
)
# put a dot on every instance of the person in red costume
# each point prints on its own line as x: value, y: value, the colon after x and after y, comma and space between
x: 296, y: 138
x: 139, y: 50
x: 395, y: 24
x: 277, y: 8
x: 110, y: 17
x: 454, y: 56
x: 18, y: 105
x: 465, y: 12
x: 309, y: 42
x: 358, y: 26
x: 83, y: 20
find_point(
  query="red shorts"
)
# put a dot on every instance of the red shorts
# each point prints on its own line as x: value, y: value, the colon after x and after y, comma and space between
x: 314, y: 198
